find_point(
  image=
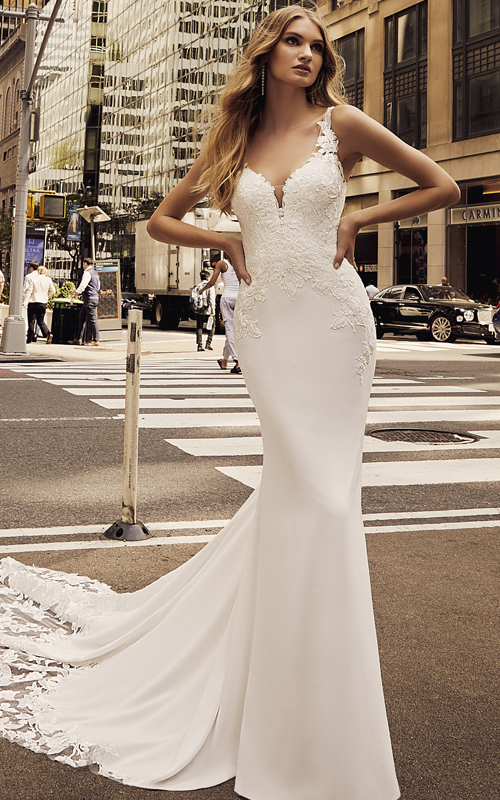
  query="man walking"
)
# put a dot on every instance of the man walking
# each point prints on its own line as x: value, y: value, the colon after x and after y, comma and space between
x: 38, y: 292
x: 89, y: 290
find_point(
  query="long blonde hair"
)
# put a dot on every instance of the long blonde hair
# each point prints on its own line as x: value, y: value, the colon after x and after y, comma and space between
x: 239, y: 109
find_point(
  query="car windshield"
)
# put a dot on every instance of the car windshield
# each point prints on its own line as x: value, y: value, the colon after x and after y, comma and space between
x: 444, y: 293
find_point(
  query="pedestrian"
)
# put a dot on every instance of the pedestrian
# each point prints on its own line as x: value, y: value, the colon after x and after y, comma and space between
x: 227, y: 305
x: 371, y: 289
x: 32, y: 267
x: 257, y: 659
x: 207, y: 317
x: 39, y: 290
x: 445, y: 281
x: 88, y: 288
x: 2, y: 283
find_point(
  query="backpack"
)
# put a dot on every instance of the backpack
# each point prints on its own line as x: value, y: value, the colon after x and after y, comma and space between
x: 199, y: 303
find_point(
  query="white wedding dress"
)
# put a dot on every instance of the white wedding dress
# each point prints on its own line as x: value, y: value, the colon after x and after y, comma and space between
x: 258, y: 657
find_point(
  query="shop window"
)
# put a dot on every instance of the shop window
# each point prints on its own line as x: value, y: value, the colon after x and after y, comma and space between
x: 405, y: 75
x: 476, y: 68
x: 352, y: 50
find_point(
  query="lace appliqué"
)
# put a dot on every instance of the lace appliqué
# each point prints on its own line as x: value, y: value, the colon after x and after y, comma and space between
x: 292, y: 245
x: 27, y: 681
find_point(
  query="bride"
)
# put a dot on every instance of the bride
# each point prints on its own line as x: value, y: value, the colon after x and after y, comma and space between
x: 257, y: 658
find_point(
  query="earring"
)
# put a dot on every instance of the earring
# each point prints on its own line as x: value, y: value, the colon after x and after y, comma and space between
x: 263, y: 80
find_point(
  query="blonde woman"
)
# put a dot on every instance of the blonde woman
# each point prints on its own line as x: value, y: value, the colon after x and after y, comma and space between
x: 258, y: 657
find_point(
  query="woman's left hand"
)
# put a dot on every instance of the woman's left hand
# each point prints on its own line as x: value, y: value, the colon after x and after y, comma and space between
x: 346, y: 236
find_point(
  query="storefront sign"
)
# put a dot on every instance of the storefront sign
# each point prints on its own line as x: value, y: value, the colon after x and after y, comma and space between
x: 471, y: 214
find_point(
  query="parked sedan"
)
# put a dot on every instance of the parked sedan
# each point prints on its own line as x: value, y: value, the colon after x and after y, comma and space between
x: 440, y: 313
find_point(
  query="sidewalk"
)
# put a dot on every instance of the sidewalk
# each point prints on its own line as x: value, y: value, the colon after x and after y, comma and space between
x: 174, y: 345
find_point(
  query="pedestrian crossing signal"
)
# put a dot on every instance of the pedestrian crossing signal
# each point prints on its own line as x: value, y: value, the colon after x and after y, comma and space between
x: 53, y: 206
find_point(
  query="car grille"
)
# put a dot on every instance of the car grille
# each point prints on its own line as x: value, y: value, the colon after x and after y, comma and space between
x: 485, y: 315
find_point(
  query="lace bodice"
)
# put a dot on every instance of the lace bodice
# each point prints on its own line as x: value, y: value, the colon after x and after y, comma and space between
x: 294, y: 244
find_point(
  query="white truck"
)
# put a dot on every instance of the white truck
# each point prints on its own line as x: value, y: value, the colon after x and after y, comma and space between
x: 169, y: 272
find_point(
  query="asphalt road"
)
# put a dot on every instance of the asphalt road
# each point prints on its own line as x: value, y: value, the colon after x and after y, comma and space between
x: 432, y: 514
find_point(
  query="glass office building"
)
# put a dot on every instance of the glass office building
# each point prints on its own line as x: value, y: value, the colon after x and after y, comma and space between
x: 121, y: 89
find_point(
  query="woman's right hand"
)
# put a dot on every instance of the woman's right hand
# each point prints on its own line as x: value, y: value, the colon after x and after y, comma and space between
x: 236, y: 255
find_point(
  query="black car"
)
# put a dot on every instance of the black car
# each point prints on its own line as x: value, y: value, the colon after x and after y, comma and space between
x: 440, y: 313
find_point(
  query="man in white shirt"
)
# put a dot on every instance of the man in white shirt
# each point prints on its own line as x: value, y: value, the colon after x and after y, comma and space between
x: 37, y: 294
x: 371, y: 290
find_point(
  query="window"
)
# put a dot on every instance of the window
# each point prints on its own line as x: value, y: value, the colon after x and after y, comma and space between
x: 405, y: 75
x: 476, y: 68
x: 352, y: 50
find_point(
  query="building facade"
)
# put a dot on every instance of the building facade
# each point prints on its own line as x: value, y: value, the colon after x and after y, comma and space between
x: 121, y: 88
x: 430, y: 72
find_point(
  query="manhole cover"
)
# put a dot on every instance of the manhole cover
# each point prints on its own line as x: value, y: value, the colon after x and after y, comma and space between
x: 419, y: 435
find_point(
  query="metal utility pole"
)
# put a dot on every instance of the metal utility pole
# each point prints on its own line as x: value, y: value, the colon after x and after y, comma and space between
x: 14, y: 332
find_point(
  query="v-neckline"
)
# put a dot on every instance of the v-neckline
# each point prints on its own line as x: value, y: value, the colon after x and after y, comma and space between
x: 292, y: 174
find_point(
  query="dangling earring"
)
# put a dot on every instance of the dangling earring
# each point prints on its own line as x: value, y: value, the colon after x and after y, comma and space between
x: 263, y: 80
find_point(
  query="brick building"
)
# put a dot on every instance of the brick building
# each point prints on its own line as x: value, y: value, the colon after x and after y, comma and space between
x: 429, y: 71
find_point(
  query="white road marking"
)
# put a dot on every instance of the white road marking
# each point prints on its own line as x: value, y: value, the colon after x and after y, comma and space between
x: 98, y: 544
x: 78, y: 530
x: 208, y: 420
x: 452, y: 512
x: 233, y: 381
x: 147, y: 391
x: 401, y: 473
x: 445, y: 415
x: 181, y: 404
x: 102, y: 544
x: 252, y: 445
x: 399, y: 402
x: 232, y: 446
x: 424, y: 389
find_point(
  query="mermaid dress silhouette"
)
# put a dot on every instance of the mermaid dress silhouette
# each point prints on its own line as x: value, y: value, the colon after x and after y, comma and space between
x: 258, y: 657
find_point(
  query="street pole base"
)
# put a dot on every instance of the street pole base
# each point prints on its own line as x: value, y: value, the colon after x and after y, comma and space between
x: 127, y: 532
x: 14, y: 336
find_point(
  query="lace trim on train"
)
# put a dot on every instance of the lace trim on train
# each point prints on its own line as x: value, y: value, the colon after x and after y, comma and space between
x: 66, y: 603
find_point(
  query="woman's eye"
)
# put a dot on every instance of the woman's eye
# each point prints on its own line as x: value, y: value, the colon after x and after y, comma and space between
x: 291, y: 40
x: 318, y: 47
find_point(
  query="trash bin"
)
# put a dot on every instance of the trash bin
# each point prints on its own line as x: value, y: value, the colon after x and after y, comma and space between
x: 65, y: 320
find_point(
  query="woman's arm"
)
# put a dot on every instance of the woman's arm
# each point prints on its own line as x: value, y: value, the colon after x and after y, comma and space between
x: 213, y: 279
x: 166, y: 226
x: 359, y: 135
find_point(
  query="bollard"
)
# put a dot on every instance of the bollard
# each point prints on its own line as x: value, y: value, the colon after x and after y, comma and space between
x: 128, y: 528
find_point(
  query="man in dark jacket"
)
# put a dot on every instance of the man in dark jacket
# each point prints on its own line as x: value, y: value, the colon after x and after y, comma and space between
x: 89, y: 290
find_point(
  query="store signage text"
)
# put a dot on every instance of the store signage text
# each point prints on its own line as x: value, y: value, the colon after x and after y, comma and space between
x: 474, y: 214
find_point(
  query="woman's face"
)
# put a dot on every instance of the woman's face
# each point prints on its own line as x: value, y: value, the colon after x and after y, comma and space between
x: 298, y: 57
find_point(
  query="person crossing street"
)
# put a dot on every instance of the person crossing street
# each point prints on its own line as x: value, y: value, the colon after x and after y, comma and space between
x: 89, y: 290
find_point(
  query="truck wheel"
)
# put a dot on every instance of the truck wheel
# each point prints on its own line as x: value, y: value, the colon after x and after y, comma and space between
x: 441, y: 329
x: 165, y: 318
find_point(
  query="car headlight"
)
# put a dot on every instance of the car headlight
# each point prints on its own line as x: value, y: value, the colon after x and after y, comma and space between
x: 460, y: 318
x: 468, y: 315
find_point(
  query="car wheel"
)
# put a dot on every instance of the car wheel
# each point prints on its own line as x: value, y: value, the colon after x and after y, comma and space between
x: 441, y: 329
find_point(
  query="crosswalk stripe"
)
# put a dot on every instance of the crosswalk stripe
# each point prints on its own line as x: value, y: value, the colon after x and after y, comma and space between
x: 252, y: 445
x: 181, y: 404
x: 400, y: 473
x: 208, y: 420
